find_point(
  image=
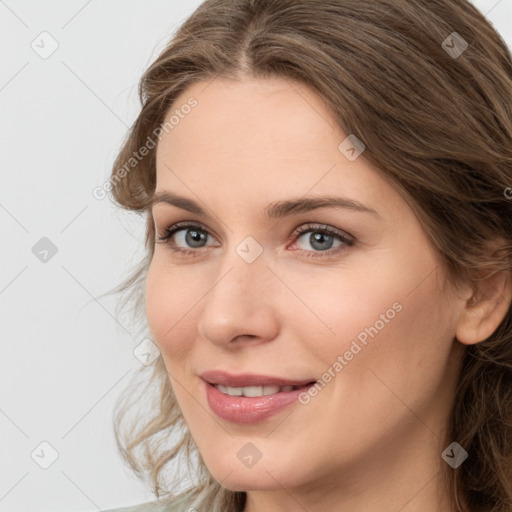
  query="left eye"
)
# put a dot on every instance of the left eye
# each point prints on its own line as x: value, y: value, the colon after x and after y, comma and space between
x: 322, y: 238
x: 190, y: 238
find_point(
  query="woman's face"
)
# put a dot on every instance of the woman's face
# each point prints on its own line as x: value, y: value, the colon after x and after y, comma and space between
x: 358, y: 309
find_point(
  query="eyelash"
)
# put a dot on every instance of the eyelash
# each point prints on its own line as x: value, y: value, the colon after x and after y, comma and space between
x: 347, y: 240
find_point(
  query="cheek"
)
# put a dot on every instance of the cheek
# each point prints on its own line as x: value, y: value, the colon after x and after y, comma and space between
x: 169, y: 306
x: 404, y: 350
x: 391, y: 318
x: 338, y: 307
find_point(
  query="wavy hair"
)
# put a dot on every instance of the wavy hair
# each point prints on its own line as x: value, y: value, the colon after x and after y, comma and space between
x: 436, y: 124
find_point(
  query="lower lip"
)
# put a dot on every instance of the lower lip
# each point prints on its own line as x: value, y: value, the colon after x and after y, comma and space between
x: 249, y: 410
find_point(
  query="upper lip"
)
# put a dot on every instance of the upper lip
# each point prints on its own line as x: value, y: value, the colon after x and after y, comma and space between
x: 250, y: 379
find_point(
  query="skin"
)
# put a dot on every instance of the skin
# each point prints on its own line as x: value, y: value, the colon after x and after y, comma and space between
x: 372, y: 438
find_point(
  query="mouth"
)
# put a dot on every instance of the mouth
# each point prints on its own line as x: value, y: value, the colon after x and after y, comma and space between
x: 250, y: 398
x: 255, y: 391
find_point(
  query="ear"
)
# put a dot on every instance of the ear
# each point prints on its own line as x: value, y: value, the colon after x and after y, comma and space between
x: 485, y: 309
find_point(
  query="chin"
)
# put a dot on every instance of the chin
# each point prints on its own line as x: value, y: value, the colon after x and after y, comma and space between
x: 248, y: 483
x: 258, y: 478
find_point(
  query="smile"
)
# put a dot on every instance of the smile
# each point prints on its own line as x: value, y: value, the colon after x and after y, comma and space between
x: 252, y: 391
x: 248, y: 405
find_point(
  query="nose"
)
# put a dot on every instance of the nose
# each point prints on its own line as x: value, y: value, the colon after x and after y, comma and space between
x: 240, y: 306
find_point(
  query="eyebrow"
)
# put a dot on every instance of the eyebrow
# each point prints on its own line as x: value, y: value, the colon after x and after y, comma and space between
x: 274, y: 210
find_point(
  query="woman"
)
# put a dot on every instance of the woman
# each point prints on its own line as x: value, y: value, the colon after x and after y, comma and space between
x: 327, y: 188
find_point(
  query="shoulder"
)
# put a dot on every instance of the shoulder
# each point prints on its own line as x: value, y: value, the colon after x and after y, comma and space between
x: 176, y: 504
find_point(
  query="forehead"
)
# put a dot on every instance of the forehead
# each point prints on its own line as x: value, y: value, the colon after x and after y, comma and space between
x: 269, y: 119
x: 258, y: 137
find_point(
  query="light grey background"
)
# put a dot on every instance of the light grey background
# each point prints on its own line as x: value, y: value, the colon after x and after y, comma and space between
x: 65, y: 357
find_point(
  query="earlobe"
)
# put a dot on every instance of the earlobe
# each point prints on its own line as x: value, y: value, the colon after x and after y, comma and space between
x: 486, y: 309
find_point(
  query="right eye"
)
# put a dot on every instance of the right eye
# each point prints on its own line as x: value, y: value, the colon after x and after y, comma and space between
x: 185, y: 238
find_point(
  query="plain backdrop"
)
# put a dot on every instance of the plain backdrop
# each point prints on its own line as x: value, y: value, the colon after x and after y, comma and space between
x: 68, y: 93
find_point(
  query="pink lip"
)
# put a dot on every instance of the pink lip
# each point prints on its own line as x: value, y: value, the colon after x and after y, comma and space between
x: 249, y: 379
x: 249, y: 410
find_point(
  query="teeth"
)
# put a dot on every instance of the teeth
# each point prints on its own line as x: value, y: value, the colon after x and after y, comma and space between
x: 252, y: 391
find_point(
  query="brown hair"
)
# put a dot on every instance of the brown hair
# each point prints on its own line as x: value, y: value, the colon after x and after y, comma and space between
x: 437, y: 125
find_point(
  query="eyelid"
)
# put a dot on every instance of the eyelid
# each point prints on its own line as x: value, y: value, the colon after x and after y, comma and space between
x: 184, y: 224
x: 316, y: 226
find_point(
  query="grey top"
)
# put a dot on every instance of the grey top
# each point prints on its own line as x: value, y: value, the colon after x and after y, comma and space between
x: 179, y: 504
